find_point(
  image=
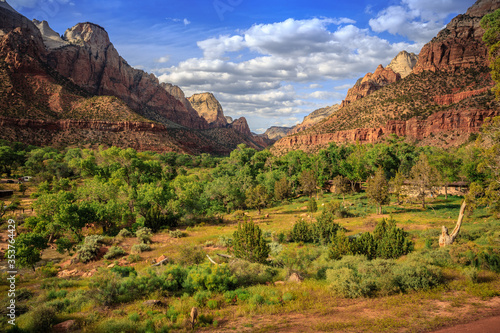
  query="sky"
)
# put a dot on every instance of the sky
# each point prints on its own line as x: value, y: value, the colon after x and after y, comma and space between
x: 272, y: 62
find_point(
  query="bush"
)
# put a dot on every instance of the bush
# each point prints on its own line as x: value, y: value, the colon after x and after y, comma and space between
x: 114, y: 252
x: 133, y: 258
x: 49, y: 270
x: 356, y: 276
x: 144, y: 235
x: 325, y: 228
x: 122, y: 325
x: 40, y: 319
x: 249, y: 244
x: 177, y: 233
x: 124, y: 233
x: 225, y: 241
x: 89, y: 249
x: 142, y: 247
x: 252, y: 273
x: 301, y: 232
x: 155, y: 219
x: 191, y: 255
x: 209, y: 277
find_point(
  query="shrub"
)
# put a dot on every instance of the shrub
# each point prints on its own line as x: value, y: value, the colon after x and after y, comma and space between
x: 144, y: 235
x: 114, y: 252
x: 225, y: 241
x: 251, y: 273
x: 301, y: 232
x: 191, y: 255
x: 155, y: 219
x: 49, y: 270
x: 40, y: 319
x: 210, y: 277
x: 134, y: 258
x: 325, y: 228
x: 122, y: 325
x: 177, y: 233
x: 89, y: 249
x: 142, y: 247
x: 249, y: 244
x: 124, y: 233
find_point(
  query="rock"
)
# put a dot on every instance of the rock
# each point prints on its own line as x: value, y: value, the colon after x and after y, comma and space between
x: 51, y: 39
x: 460, y: 44
x: 403, y: 63
x: 111, y: 265
x: 370, y: 83
x: 278, y: 283
x: 65, y: 326
x: 152, y: 302
x: 209, y: 108
x: 277, y: 132
x: 314, y: 118
x: 295, y: 278
x: 241, y: 126
x: 161, y: 258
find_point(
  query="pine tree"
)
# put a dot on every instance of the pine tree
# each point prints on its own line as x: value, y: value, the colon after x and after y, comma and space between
x: 249, y: 244
x: 378, y: 189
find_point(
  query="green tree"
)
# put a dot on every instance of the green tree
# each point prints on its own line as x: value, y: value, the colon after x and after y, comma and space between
x: 377, y: 189
x: 396, y: 187
x: 282, y: 189
x: 312, y: 206
x: 491, y: 25
x: 424, y: 179
x: 29, y: 247
x: 341, y: 186
x: 301, y: 232
x: 308, y: 182
x: 257, y: 197
x: 249, y: 244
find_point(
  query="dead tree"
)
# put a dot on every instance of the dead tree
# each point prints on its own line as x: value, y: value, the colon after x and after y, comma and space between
x: 447, y: 239
x: 194, y: 316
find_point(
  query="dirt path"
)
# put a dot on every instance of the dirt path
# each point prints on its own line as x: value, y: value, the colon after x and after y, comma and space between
x: 486, y: 325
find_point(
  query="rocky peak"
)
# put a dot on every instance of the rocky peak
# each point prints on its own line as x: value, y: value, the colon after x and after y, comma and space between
x: 277, y: 132
x: 88, y: 34
x: 314, y: 118
x: 209, y: 108
x: 403, y: 63
x: 370, y: 83
x: 5, y: 5
x: 459, y: 44
x: 229, y: 119
x: 241, y: 126
x: 51, y: 39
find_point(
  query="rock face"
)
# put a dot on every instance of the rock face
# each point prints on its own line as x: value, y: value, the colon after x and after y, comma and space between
x: 314, y: 118
x: 277, y: 132
x: 403, y: 63
x: 242, y: 127
x: 460, y: 44
x: 91, y: 61
x: 209, y: 108
x: 448, y: 122
x: 51, y: 39
x: 370, y: 83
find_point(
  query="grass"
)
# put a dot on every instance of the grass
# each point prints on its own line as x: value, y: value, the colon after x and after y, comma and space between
x: 306, y: 306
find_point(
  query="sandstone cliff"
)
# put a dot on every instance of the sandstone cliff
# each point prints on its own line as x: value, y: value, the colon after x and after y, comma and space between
x: 370, y: 83
x: 91, y: 61
x: 403, y: 63
x: 242, y: 127
x: 460, y: 44
x: 451, y: 85
x: 314, y: 118
x: 209, y: 108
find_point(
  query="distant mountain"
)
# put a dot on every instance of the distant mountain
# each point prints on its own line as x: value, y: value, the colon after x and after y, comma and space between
x: 77, y: 90
x: 403, y: 63
x: 276, y: 132
x: 447, y: 96
x: 209, y: 108
x: 314, y: 118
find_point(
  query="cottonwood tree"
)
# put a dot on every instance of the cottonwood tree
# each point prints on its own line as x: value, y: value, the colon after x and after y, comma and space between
x: 424, y: 179
x: 341, y: 186
x: 396, y: 187
x: 282, y: 189
x: 377, y: 189
x: 308, y: 182
x: 257, y: 197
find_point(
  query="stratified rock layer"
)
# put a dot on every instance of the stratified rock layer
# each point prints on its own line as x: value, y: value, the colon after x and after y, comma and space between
x: 403, y: 63
x: 209, y: 108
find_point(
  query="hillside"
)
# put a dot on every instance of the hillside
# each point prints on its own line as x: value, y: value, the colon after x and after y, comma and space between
x: 446, y: 97
x: 77, y: 90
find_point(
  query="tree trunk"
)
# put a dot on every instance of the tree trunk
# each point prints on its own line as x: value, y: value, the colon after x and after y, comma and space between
x: 445, y: 238
x: 379, y: 210
x: 446, y: 191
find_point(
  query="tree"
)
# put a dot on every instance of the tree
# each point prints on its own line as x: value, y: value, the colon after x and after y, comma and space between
x: 29, y: 247
x: 308, y: 182
x: 491, y: 24
x: 377, y: 189
x: 282, y: 189
x: 312, y: 206
x: 249, y: 244
x: 341, y: 186
x: 424, y: 178
x: 257, y: 197
x: 448, y: 166
x: 396, y: 186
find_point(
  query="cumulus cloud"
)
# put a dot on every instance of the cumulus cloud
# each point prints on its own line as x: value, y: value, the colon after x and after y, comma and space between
x: 418, y: 20
x: 163, y: 59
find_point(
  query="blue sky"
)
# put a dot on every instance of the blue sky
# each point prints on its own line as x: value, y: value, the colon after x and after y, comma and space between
x: 273, y: 62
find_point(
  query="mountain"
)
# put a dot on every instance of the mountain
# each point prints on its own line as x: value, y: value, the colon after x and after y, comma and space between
x: 447, y: 96
x: 209, y: 108
x: 370, y: 83
x: 77, y: 90
x: 403, y: 63
x: 314, y: 118
x: 277, y: 132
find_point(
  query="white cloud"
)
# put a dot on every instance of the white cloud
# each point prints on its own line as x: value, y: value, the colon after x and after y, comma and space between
x: 186, y: 21
x: 163, y: 59
x: 419, y: 20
